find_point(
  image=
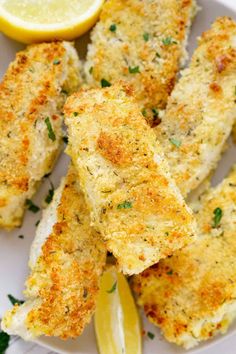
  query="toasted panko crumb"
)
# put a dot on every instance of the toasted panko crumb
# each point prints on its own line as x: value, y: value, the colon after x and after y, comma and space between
x: 134, y: 202
x: 67, y: 259
x: 32, y: 94
x: 142, y: 43
x: 191, y: 295
x: 202, y: 108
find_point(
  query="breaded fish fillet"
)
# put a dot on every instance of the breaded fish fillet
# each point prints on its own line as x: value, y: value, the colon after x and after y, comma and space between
x: 32, y: 94
x: 142, y: 43
x: 67, y: 258
x: 133, y: 201
x: 191, y: 295
x: 201, y: 110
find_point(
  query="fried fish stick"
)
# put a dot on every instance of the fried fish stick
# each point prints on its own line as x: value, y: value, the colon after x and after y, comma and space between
x: 201, y: 110
x: 191, y: 296
x: 133, y: 200
x: 66, y: 261
x: 32, y: 94
x: 142, y: 43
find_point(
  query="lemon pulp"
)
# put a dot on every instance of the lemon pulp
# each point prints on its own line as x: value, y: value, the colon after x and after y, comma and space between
x: 117, y: 322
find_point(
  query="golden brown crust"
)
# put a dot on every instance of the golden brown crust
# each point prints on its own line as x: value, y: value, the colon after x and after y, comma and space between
x: 64, y: 281
x: 191, y: 295
x: 30, y: 92
x: 134, y: 202
x: 149, y: 35
x: 201, y: 109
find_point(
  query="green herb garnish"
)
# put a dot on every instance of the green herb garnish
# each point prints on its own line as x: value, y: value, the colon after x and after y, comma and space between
x: 91, y: 70
x: 125, y: 205
x: 144, y: 112
x: 112, y: 28
x: 65, y: 139
x: 14, y: 301
x: 134, y: 70
x: 217, y: 217
x: 75, y: 114
x: 21, y: 236
x: 151, y: 335
x: 51, y: 133
x: 56, y: 61
x: 4, y: 342
x: 31, y: 206
x: 105, y: 83
x: 168, y: 41
x: 146, y: 36
x: 170, y: 272
x: 50, y: 195
x: 155, y: 112
x: 113, y: 288
x: 176, y: 142
x: 158, y: 55
x: 37, y: 222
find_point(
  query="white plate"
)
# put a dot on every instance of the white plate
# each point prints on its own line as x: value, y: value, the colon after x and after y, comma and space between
x: 14, y: 251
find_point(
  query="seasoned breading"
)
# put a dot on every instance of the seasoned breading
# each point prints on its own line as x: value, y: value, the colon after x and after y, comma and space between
x: 134, y: 202
x: 66, y: 261
x: 32, y: 94
x: 201, y: 110
x: 191, y: 295
x: 142, y: 43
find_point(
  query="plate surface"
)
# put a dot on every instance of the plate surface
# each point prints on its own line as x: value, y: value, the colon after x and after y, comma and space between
x: 14, y: 250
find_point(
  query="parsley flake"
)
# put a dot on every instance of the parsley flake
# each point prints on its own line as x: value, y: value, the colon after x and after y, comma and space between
x: 31, y: 206
x: 37, y: 222
x: 65, y: 139
x: 146, y: 36
x: 21, y: 236
x: 51, y: 133
x: 112, y: 27
x: 14, y: 301
x: 105, y: 83
x: 50, y: 195
x: 134, y: 70
x: 158, y: 55
x: 170, y: 272
x: 4, y: 342
x: 113, y: 288
x: 155, y: 112
x: 75, y: 114
x: 144, y: 112
x: 91, y: 70
x: 175, y: 142
x: 125, y: 205
x: 151, y: 335
x: 56, y: 61
x: 168, y: 41
x: 218, y: 213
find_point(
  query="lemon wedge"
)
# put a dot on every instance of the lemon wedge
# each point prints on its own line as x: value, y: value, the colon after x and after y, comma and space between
x: 31, y: 21
x: 117, y: 323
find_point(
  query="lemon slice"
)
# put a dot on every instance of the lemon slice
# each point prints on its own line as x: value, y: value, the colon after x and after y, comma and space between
x: 117, y: 322
x: 31, y: 21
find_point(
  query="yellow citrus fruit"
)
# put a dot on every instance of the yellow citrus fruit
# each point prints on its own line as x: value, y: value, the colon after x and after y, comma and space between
x: 30, y: 21
x: 117, y: 323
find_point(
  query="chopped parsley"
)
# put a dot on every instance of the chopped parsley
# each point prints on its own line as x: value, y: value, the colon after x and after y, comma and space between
x: 64, y: 91
x: 151, y: 335
x: 134, y: 70
x: 4, y: 342
x: 37, y: 222
x: 125, y: 205
x: 75, y: 114
x: 176, y: 142
x: 51, y: 133
x: 158, y: 55
x: 113, y: 288
x: 65, y: 139
x: 91, y: 70
x: 217, y: 217
x: 21, y: 236
x: 31, y: 206
x: 105, y: 83
x: 144, y: 112
x: 155, y: 112
x: 50, y: 195
x: 14, y: 301
x: 168, y: 41
x: 56, y: 61
x: 146, y: 36
x: 112, y: 27
x: 170, y: 272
